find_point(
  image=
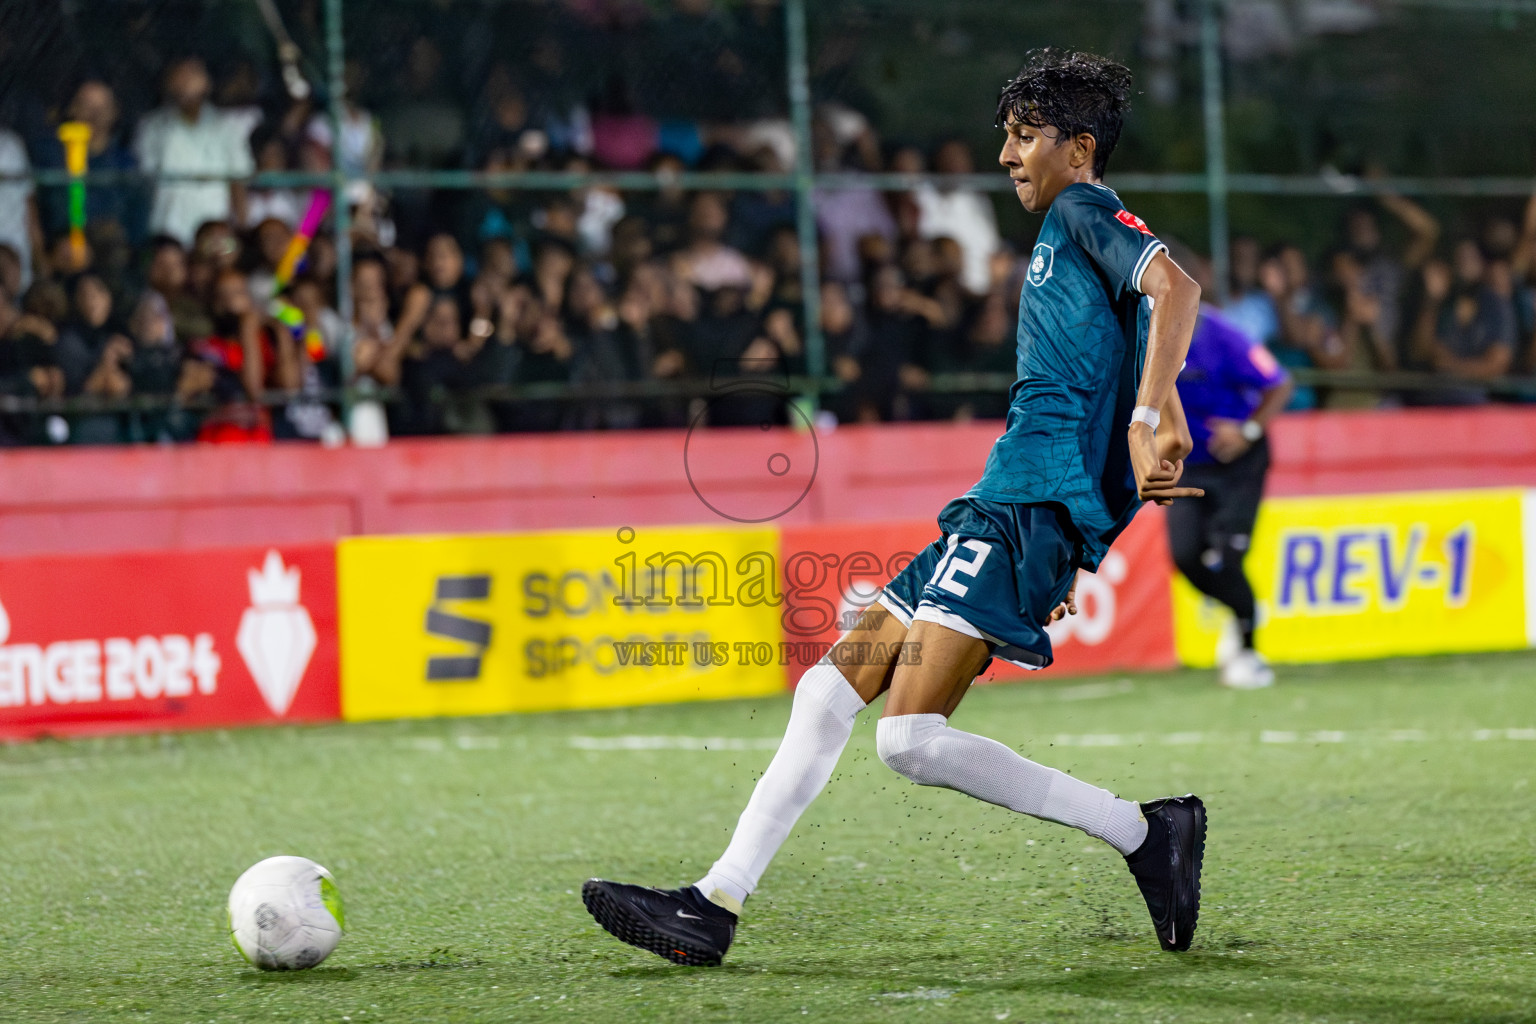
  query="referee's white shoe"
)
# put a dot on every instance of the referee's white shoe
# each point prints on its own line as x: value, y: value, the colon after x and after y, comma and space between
x: 1229, y: 644
x: 1247, y: 670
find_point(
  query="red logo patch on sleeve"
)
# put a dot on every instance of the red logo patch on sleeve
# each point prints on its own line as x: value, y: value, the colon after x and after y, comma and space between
x: 1130, y: 220
x: 1263, y: 361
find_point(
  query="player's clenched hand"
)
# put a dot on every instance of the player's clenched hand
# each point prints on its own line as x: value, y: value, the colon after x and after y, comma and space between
x: 1069, y: 606
x: 1156, y: 479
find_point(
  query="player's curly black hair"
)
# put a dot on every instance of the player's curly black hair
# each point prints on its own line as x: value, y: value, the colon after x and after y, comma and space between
x: 1073, y: 93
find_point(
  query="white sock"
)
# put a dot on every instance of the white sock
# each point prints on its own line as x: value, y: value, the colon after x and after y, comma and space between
x: 926, y: 750
x: 819, y: 725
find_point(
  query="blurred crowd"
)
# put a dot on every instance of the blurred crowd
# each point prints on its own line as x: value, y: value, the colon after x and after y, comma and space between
x: 173, y: 313
x: 1460, y: 310
x: 458, y: 296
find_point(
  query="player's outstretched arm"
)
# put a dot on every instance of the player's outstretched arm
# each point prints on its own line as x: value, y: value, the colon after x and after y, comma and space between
x: 1175, y: 305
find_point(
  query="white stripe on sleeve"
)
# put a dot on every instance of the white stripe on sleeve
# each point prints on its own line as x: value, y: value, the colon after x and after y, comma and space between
x: 1153, y: 248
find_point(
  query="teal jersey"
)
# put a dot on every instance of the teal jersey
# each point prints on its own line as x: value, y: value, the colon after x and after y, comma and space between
x: 1082, y: 342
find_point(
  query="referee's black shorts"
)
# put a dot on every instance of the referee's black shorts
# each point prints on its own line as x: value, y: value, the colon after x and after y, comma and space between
x: 1225, y: 516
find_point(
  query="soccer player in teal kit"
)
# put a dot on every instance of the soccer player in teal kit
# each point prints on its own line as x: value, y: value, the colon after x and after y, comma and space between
x: 1105, y: 319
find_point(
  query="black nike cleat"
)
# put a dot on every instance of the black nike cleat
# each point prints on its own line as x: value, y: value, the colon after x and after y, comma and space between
x: 676, y: 924
x: 1167, y: 867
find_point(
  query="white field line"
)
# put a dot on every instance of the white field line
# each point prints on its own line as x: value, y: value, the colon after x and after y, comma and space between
x: 673, y: 743
x: 921, y: 993
x: 20, y: 768
x: 1330, y: 736
x: 1095, y: 691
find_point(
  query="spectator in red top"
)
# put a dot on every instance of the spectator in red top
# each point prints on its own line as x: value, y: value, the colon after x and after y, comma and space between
x: 242, y: 358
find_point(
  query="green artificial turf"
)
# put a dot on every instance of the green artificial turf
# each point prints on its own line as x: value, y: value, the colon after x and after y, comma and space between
x: 1372, y: 857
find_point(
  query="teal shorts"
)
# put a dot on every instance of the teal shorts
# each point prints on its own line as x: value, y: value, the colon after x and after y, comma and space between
x: 996, y: 573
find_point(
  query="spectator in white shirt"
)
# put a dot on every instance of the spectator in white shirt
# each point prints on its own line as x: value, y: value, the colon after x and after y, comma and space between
x: 19, y: 226
x: 362, y: 143
x: 962, y: 214
x: 190, y: 136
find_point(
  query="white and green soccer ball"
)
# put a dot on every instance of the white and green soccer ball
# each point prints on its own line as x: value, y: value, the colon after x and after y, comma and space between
x: 285, y: 914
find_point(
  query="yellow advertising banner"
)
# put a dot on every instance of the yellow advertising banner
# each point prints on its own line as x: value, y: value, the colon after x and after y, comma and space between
x: 483, y: 624
x: 1371, y: 576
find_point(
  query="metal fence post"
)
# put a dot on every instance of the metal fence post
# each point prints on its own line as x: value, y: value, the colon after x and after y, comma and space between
x: 1215, y: 145
x: 805, y: 209
x: 336, y: 65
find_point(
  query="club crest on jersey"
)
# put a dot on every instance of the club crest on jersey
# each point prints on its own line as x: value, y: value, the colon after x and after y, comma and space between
x: 1130, y: 220
x: 1040, y: 264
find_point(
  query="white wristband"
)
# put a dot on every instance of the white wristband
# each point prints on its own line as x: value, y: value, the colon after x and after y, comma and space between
x: 1148, y: 415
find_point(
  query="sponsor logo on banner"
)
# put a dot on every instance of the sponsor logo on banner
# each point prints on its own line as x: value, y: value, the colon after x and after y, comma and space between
x: 277, y: 636
x: 164, y: 640
x: 443, y: 623
x: 489, y: 624
x: 114, y: 669
x: 1376, y: 576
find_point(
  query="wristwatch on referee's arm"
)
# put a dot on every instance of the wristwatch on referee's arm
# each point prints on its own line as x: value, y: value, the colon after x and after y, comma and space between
x: 1252, y: 431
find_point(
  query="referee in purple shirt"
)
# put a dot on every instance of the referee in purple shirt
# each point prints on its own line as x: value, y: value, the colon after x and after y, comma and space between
x: 1230, y: 386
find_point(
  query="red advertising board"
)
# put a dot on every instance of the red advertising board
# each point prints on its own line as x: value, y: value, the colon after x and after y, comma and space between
x: 177, y: 639
x: 1124, y: 621
x: 1125, y: 610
